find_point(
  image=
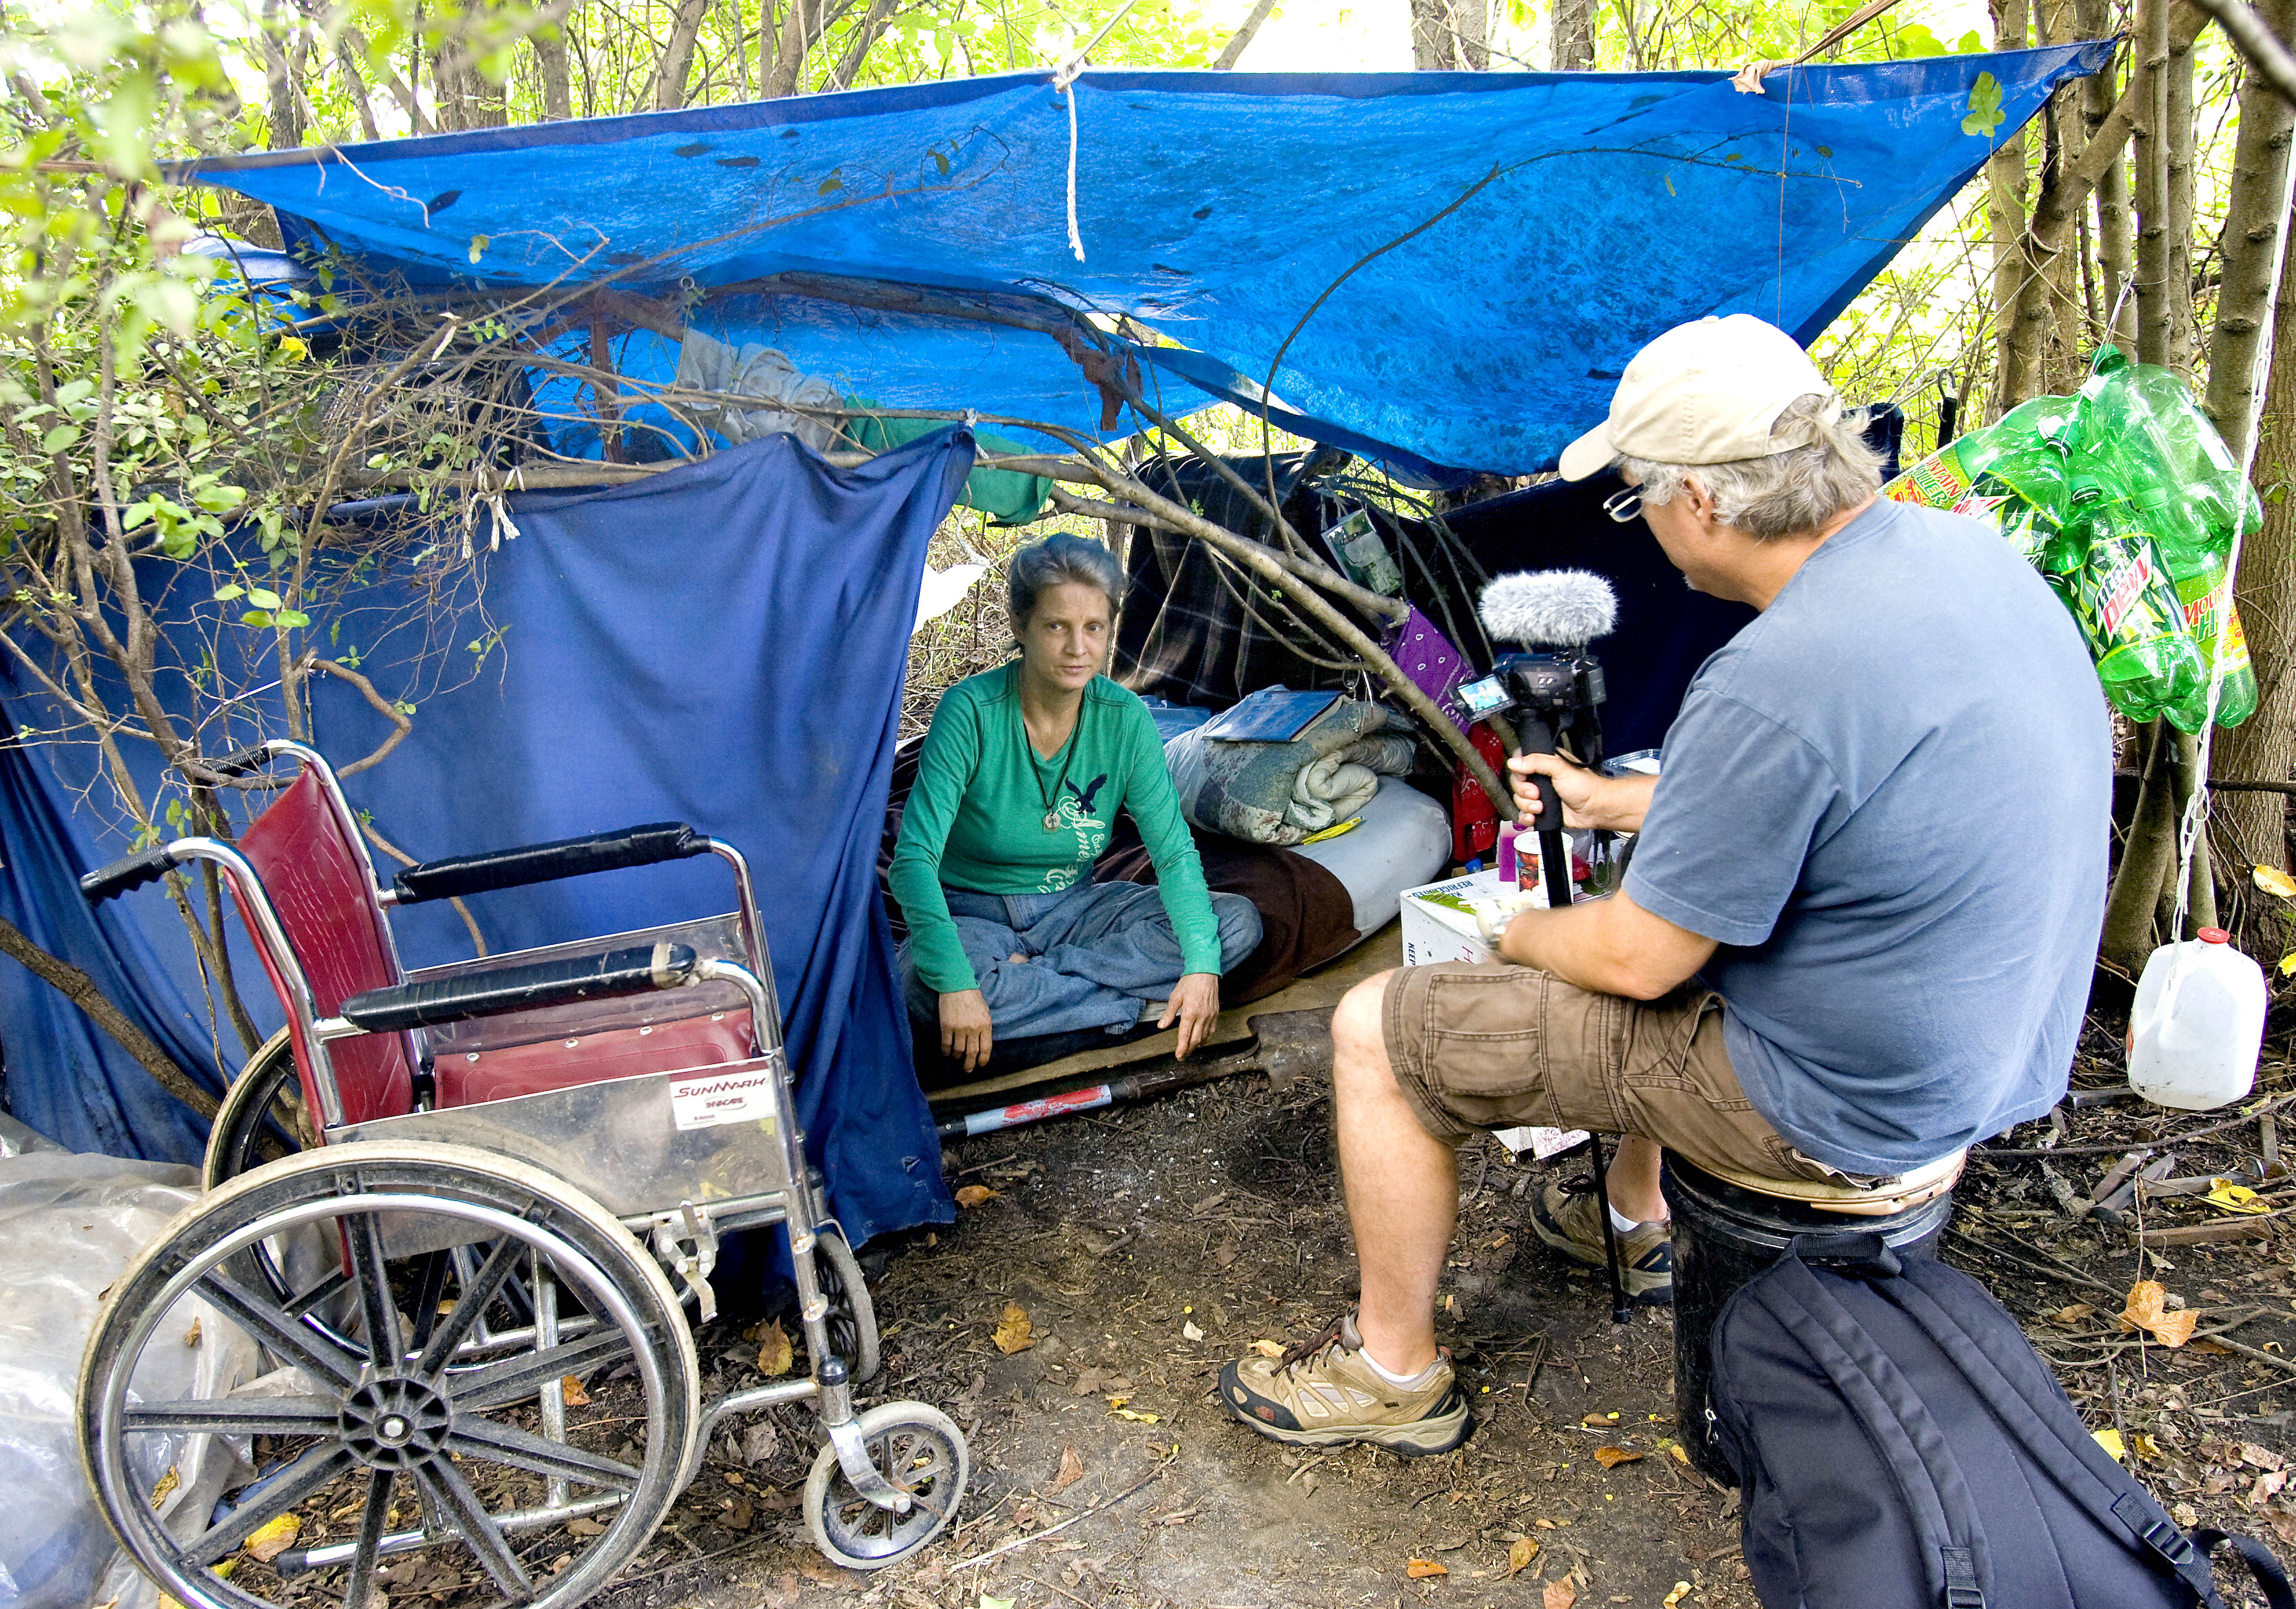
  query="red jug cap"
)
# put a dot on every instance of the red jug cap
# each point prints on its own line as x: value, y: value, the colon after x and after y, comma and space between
x: 2214, y: 935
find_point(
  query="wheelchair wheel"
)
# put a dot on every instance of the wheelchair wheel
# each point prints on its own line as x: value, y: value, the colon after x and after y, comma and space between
x: 852, y: 1316
x: 921, y: 1451
x: 423, y: 1443
x: 264, y: 1103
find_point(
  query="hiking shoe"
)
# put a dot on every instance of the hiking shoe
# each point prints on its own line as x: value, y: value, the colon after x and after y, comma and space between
x: 1324, y: 1391
x: 1572, y: 1224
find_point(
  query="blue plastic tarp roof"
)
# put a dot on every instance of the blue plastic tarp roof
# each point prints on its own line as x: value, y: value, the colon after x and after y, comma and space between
x: 1217, y: 208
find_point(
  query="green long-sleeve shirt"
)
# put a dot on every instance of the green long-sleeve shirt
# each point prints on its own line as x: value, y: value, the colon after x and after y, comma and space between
x: 976, y: 817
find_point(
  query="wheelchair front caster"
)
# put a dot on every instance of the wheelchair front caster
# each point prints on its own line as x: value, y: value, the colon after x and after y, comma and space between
x: 921, y: 1453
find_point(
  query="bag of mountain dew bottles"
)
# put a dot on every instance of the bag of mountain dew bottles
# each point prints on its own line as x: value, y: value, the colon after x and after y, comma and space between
x: 2126, y: 498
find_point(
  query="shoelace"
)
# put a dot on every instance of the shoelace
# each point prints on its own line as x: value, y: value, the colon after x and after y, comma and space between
x: 1328, y: 1336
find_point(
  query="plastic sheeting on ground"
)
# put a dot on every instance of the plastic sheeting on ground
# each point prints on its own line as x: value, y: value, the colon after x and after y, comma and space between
x: 1217, y: 208
x: 722, y: 645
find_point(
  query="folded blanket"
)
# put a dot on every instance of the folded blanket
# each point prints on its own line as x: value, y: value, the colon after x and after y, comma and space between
x: 1279, y: 792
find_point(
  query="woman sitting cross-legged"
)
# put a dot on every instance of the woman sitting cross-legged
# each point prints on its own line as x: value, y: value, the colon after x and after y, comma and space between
x: 1017, y: 791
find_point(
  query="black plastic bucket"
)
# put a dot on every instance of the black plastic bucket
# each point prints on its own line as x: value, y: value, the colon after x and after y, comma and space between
x: 1723, y: 1236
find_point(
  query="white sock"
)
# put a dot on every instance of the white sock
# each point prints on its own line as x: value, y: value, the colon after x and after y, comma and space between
x: 1403, y: 1381
x: 1622, y: 1223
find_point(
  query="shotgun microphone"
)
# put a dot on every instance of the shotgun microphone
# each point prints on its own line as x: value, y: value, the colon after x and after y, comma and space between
x: 1554, y: 689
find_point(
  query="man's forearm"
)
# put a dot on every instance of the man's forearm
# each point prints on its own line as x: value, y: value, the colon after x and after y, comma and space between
x: 1611, y: 946
x: 1623, y: 802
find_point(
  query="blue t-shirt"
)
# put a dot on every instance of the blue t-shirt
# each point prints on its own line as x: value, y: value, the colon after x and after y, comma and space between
x: 1888, y: 798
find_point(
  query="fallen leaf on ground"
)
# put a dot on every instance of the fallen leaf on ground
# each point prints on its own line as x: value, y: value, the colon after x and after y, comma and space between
x: 584, y: 1526
x: 2073, y: 1313
x: 2147, y: 1310
x: 2272, y: 879
x: 2109, y: 1439
x: 1268, y: 1349
x: 1559, y: 1595
x: 2262, y: 1457
x: 973, y: 1195
x: 1126, y: 1412
x: 2145, y: 1446
x: 1421, y: 1567
x: 270, y: 1539
x: 740, y: 1517
x: 1012, y: 1334
x: 1071, y: 1470
x: 1611, y: 1457
x: 996, y: 1603
x: 1188, y: 1331
x: 192, y: 1335
x: 575, y: 1396
x: 1681, y: 1591
x: 1599, y: 1421
x: 1520, y: 1554
x: 168, y: 1483
x: 773, y: 1354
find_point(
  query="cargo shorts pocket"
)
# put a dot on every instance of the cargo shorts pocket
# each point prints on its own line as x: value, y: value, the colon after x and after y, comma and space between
x: 1498, y: 1031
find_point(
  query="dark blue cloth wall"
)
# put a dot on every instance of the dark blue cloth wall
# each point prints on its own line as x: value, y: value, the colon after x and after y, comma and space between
x: 722, y: 645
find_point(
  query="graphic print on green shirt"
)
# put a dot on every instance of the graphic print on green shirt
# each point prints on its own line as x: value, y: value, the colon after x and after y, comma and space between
x: 976, y: 817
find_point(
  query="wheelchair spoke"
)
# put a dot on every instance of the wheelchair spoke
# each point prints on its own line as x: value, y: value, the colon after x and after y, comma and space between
x: 307, y: 1473
x: 370, y: 1539
x: 460, y: 1507
x: 272, y: 1328
x: 477, y: 1292
x: 426, y: 1306
x: 515, y: 1379
x: 539, y: 1455
x: 376, y: 1305
x: 234, y: 1416
x: 316, y: 1295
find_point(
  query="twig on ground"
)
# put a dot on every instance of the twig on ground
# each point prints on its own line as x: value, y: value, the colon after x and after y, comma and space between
x: 1991, y: 1154
x: 981, y: 1558
x: 2061, y: 1271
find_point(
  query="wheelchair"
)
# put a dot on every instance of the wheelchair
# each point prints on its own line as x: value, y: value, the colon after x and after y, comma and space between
x: 476, y: 1295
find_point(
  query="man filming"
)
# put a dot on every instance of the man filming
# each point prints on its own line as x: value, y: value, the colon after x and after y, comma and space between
x: 1858, y: 930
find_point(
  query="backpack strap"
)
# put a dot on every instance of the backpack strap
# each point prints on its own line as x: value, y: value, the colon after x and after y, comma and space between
x: 1861, y: 1253
x: 1946, y: 1531
x: 2270, y: 1578
x: 2109, y: 1492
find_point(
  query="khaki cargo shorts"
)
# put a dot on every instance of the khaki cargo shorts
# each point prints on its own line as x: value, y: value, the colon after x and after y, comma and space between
x: 1492, y: 1045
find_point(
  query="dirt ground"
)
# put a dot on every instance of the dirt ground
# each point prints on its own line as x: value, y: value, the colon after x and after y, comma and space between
x: 1146, y: 1246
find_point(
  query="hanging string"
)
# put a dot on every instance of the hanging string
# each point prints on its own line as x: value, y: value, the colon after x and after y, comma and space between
x: 1064, y: 76
x: 2196, y: 807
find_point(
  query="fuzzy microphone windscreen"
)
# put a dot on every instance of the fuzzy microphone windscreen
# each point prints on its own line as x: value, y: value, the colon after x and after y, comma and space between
x: 1549, y: 608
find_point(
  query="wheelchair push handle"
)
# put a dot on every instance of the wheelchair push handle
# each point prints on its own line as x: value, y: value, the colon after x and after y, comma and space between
x: 461, y: 875
x: 239, y: 762
x: 131, y: 872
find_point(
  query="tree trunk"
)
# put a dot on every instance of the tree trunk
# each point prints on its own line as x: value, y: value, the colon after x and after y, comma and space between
x: 2253, y: 242
x: 2015, y: 314
x: 789, y: 51
x: 1572, y: 49
x: 676, y: 62
x: 2149, y: 83
x: 872, y: 25
x: 466, y: 98
x: 2177, y: 149
x: 2146, y: 859
x: 1237, y: 41
x: 557, y: 82
x: 80, y: 990
x: 355, y: 84
x: 2263, y: 747
x: 279, y: 78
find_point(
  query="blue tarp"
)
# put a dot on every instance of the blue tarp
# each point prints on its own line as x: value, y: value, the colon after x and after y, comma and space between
x: 721, y: 644
x: 1217, y: 208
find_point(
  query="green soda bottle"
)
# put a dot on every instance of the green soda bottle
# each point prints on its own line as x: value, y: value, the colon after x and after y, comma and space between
x: 2127, y: 609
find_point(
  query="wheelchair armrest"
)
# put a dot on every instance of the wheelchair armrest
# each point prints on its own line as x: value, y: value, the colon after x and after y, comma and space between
x: 545, y: 983
x: 462, y: 874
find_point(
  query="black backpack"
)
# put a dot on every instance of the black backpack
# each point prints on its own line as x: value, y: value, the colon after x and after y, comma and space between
x: 1897, y: 1442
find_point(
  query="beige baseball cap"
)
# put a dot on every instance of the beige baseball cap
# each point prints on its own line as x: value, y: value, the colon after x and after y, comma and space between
x: 1705, y: 392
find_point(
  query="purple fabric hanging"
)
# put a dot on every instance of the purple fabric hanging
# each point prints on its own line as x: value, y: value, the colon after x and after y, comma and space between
x: 1426, y: 656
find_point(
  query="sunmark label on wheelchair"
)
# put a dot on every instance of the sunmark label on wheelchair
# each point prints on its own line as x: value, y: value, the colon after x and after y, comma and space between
x: 735, y: 1098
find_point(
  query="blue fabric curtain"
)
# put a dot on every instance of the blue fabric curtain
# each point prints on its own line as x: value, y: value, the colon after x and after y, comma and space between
x: 722, y: 645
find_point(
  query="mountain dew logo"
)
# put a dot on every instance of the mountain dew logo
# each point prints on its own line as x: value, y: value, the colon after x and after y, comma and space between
x: 1936, y: 481
x: 2121, y: 588
x: 2213, y: 621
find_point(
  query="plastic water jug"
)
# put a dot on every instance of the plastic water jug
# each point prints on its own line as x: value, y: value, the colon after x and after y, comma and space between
x: 2198, y: 1025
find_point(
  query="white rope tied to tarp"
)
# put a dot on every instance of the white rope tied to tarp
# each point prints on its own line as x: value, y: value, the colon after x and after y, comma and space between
x: 2196, y: 807
x: 1063, y: 76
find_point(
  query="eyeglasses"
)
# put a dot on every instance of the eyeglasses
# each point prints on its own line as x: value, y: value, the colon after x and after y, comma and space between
x: 1625, y: 505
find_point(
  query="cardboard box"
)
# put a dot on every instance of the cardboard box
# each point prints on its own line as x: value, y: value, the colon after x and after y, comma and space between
x: 1439, y: 924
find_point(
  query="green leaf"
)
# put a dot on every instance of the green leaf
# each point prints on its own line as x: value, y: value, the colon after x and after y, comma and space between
x: 293, y: 617
x: 1985, y: 113
x: 1969, y: 44
x: 60, y: 440
x: 72, y: 391
x: 224, y: 595
x: 941, y: 163
x: 478, y: 243
x: 263, y: 597
x: 255, y: 617
x: 831, y: 184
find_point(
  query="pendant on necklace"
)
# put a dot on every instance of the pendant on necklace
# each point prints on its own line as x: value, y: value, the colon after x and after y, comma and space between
x: 1051, y: 821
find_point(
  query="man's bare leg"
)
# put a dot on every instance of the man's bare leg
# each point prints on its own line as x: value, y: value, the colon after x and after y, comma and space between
x: 1633, y: 1180
x: 1402, y: 1189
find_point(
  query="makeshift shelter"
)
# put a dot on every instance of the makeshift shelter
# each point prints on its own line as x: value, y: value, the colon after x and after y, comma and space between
x: 1440, y: 272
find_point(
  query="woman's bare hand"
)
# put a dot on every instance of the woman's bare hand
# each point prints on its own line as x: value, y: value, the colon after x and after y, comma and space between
x: 1195, y: 1004
x: 964, y: 1031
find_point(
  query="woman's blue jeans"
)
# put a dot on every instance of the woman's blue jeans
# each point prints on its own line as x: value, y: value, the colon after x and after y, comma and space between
x: 1091, y: 955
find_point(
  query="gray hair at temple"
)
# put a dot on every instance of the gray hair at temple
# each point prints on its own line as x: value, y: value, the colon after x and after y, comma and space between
x: 1054, y: 562
x: 1799, y: 490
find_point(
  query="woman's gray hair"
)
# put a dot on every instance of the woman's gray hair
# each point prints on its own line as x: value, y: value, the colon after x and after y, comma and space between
x: 1799, y: 490
x: 1054, y: 562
